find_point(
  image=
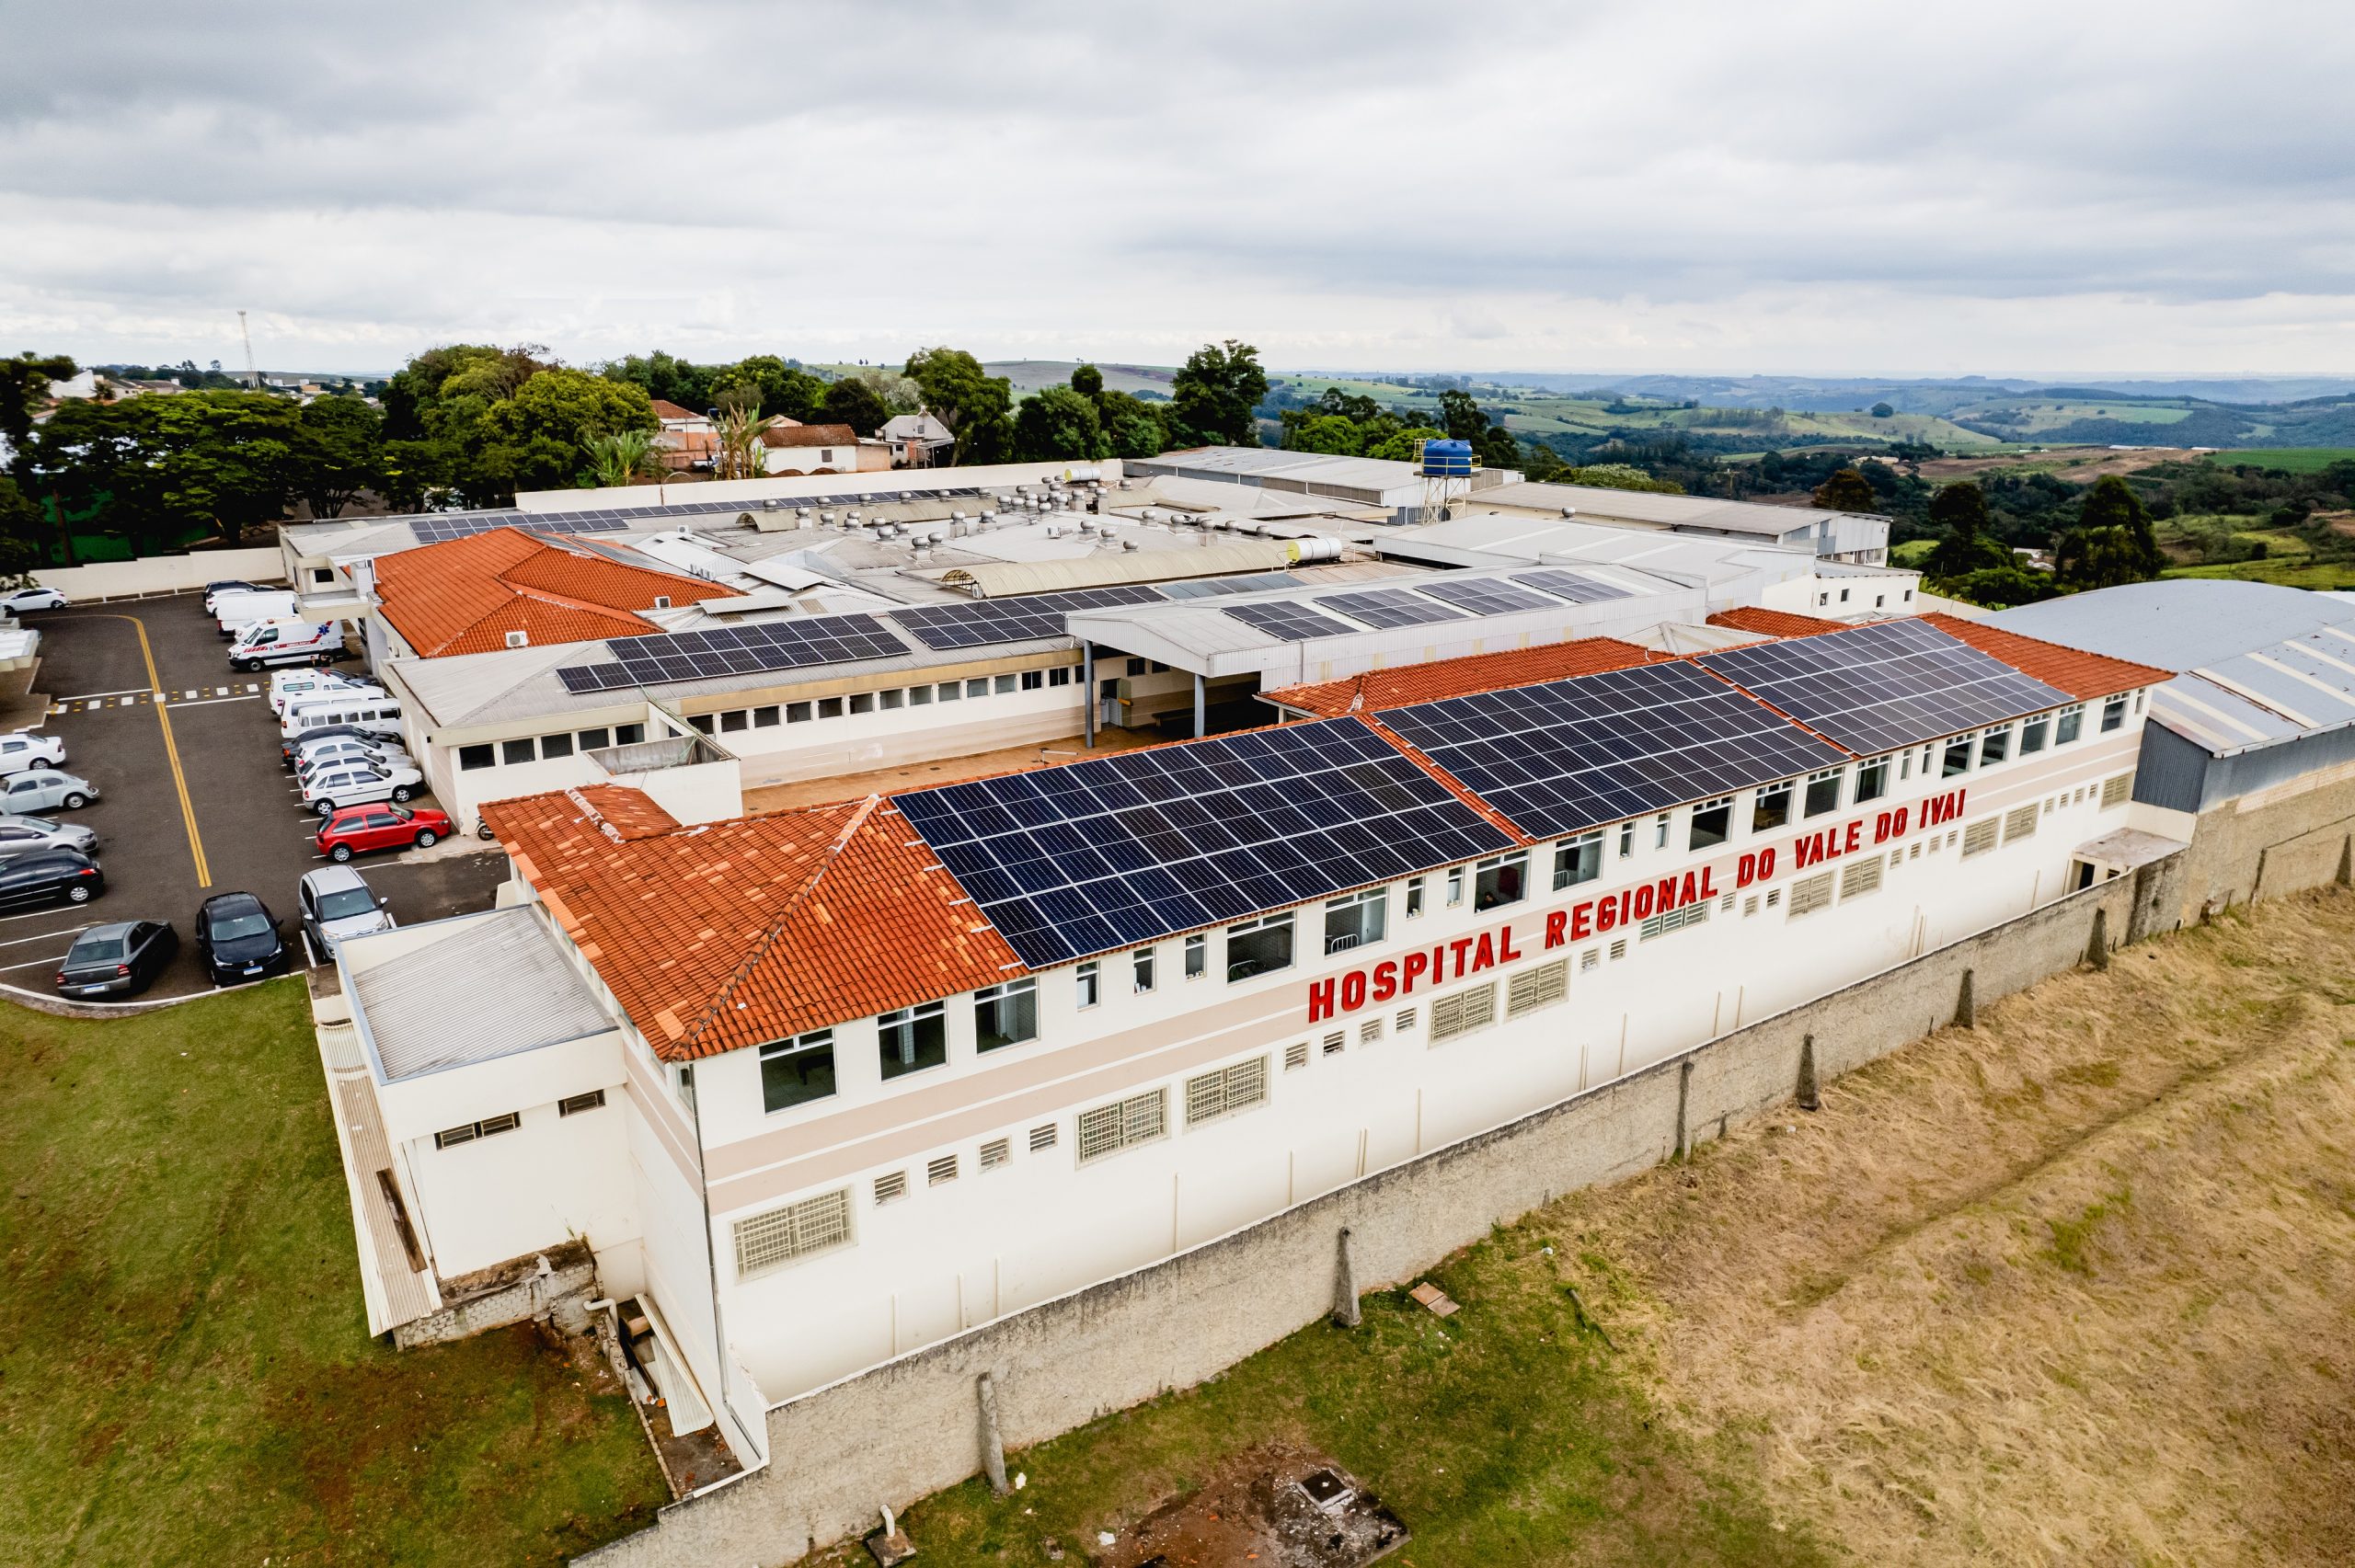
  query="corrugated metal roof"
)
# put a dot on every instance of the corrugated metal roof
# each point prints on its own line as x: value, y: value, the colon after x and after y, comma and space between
x: 998, y: 579
x: 495, y: 985
x: 1644, y: 506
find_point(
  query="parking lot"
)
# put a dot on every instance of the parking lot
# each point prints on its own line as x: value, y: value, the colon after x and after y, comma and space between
x: 193, y: 800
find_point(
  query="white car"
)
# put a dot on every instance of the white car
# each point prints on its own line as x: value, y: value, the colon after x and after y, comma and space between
x: 26, y: 598
x: 25, y: 749
x: 346, y: 753
x: 352, y: 784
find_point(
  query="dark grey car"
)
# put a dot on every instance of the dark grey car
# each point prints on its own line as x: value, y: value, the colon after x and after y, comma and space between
x: 121, y: 958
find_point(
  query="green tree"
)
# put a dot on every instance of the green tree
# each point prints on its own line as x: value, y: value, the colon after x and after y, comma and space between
x: 158, y: 470
x: 24, y: 384
x: 536, y: 439
x: 1847, y: 490
x: 624, y: 458
x: 20, y: 535
x: 784, y: 391
x: 665, y: 376
x: 1217, y: 392
x: 853, y: 401
x: 976, y: 407
x: 1399, y: 446
x: 1883, y: 411
x: 2113, y: 541
x: 338, y: 452
x: 1088, y: 382
x: 1057, y: 422
x: 1130, y: 427
x: 1998, y: 587
x: 1323, y: 432
x: 1960, y: 511
x: 1621, y: 476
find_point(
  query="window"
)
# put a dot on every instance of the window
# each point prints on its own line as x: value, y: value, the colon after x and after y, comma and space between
x: 1472, y: 1008
x: 893, y: 698
x: 683, y: 1084
x: 1295, y: 1056
x: 1957, y: 758
x: 1259, y: 947
x: 1872, y: 779
x: 1541, y: 987
x: 1414, y: 895
x: 767, y: 717
x: 2114, y: 791
x: 796, y: 1230
x: 1335, y: 1041
x: 1123, y: 1124
x: 862, y: 702
x: 1007, y: 1014
x: 515, y: 751
x: 1454, y: 885
x: 996, y: 1153
x: 1712, y: 820
x: 1861, y: 877
x: 1032, y: 680
x: 950, y: 690
x: 1089, y: 978
x: 1995, y: 744
x: 595, y: 739
x: 1659, y: 830
x: 894, y: 1186
x: 912, y: 1039
x: 980, y: 688
x: 700, y: 723
x: 1004, y: 684
x: 1500, y: 880
x: 2113, y: 713
x: 1224, y: 1090
x: 941, y: 1170
x: 1771, y: 809
x: 734, y: 720
x: 2071, y: 726
x: 1578, y: 859
x: 919, y: 696
x: 1140, y: 965
x: 323, y: 573
x: 629, y: 734
x: 1137, y: 666
x: 798, y: 712
x: 2020, y: 823
x: 1042, y: 1136
x: 1197, y: 955
x: 1059, y: 675
x: 1673, y: 920
x: 1978, y: 838
x: 2034, y: 734
x: 490, y: 1127
x: 1358, y: 920
x: 1369, y: 1031
x: 1809, y: 894
x: 830, y: 707
x: 1626, y: 839
x: 1822, y: 792
x: 796, y: 1070
x: 473, y: 756
x: 1405, y: 1019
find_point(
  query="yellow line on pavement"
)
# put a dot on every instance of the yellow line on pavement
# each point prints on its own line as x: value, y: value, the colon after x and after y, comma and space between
x: 171, y: 753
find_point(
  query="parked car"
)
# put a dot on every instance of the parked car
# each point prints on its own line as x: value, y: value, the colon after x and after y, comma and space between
x: 350, y: 751
x: 289, y: 686
x: 290, y: 748
x: 25, y: 598
x: 25, y: 749
x: 238, y: 937
x: 44, y: 789
x: 336, y: 903
x: 19, y: 834
x: 348, y: 784
x: 214, y: 590
x: 357, y: 830
x: 51, y: 876
x: 318, y: 643
x: 118, y: 959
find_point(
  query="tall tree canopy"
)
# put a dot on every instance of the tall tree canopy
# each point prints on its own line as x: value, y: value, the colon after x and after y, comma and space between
x: 853, y: 401
x: 2113, y: 541
x: 975, y: 406
x: 1216, y: 392
x: 538, y: 438
x: 158, y: 470
x: 1058, y: 422
x: 1961, y: 510
x: 1847, y: 490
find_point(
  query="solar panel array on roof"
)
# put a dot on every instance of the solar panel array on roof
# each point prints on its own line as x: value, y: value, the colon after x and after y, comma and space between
x: 1388, y: 607
x: 434, y: 527
x: 735, y: 650
x: 1483, y: 596
x: 1878, y: 687
x: 1250, y: 582
x: 1597, y: 748
x: 981, y: 621
x: 1118, y: 850
x: 1283, y: 618
x: 1574, y: 586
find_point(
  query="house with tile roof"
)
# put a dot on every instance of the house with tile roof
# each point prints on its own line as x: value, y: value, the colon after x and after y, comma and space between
x: 821, y: 449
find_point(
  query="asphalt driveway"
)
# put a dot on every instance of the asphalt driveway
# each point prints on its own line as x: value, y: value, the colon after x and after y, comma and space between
x: 193, y: 800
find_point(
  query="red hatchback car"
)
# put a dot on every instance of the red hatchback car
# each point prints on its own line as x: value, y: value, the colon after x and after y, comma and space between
x: 356, y: 830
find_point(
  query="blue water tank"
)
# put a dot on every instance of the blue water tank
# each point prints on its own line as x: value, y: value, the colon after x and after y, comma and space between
x: 1447, y: 460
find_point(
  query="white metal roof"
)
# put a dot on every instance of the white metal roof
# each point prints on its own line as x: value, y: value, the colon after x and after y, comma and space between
x: 1659, y: 510
x: 492, y: 985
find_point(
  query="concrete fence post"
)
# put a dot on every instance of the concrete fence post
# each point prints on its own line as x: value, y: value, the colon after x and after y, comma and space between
x: 1683, y: 1100
x: 992, y: 1447
x: 2097, y: 945
x: 1966, y: 1014
x: 2346, y: 877
x: 1345, y: 1286
x: 1807, y: 1097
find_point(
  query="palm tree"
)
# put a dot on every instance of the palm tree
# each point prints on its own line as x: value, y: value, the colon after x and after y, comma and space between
x: 739, y: 423
x: 624, y: 457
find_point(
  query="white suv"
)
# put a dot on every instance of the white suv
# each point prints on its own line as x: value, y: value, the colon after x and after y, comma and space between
x: 352, y: 784
x: 25, y: 749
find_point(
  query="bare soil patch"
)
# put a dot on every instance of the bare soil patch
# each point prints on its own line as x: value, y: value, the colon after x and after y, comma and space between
x: 2078, y: 464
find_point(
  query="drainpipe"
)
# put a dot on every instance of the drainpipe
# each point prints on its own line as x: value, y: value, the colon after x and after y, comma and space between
x: 1087, y: 680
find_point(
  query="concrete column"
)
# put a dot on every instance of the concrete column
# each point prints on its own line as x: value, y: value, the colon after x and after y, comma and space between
x: 1966, y: 1015
x: 1087, y: 680
x: 1684, y: 1097
x: 993, y: 1449
x: 1345, y: 1286
x: 1806, y: 1098
x: 2097, y: 945
x: 1201, y: 703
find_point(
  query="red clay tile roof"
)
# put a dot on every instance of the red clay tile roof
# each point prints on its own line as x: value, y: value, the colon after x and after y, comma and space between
x: 1399, y: 687
x: 808, y: 435
x: 727, y: 934
x: 2079, y: 673
x: 668, y: 411
x: 1772, y: 622
x: 465, y: 595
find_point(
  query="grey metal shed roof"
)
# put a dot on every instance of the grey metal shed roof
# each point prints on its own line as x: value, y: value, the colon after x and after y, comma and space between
x: 1643, y: 506
x: 492, y: 985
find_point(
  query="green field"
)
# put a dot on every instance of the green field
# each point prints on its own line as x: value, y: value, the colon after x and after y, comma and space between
x: 2286, y: 460
x: 2335, y: 576
x: 186, y: 1374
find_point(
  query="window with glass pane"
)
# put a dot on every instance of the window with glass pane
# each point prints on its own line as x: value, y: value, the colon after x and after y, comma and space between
x: 629, y: 734
x: 893, y: 698
x: 729, y: 723
x: 1008, y: 1014
x: 1500, y: 880
x: 912, y: 1039
x: 1357, y: 920
x: 513, y: 751
x: 766, y: 718
x: 796, y: 713
x: 1772, y: 808
x: 2113, y: 713
x: 2034, y: 734
x: 1197, y: 955
x: 1259, y: 947
x: 2072, y: 724
x: 1089, y: 982
x: 1872, y: 779
x: 1822, y: 792
x: 1712, y: 820
x: 1626, y: 839
x: 1454, y: 885
x: 950, y: 690
x: 555, y: 745
x: 1415, y: 898
x: 596, y: 740
x: 700, y: 722
x: 1141, y: 964
x: 1660, y: 830
x: 830, y: 707
x: 1578, y: 859
x: 795, y: 1072
x: 1957, y: 758
x: 862, y: 702
x: 918, y: 696
x: 473, y: 756
x: 1995, y: 744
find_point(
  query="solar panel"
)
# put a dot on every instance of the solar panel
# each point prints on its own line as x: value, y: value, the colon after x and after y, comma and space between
x: 1878, y: 687
x: 581, y: 677
x: 1388, y: 607
x: 664, y: 657
x: 1596, y: 748
x: 1124, y: 850
x: 1205, y: 588
x: 980, y: 622
x: 1290, y: 621
x: 1483, y: 596
x: 1572, y: 585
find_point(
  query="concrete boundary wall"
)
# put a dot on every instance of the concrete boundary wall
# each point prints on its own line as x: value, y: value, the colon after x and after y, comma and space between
x: 161, y: 573
x: 910, y: 1426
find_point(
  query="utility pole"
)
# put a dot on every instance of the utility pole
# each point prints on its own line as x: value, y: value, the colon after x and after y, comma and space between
x: 253, y: 376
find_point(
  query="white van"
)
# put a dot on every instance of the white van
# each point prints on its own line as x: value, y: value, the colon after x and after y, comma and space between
x: 233, y: 611
x: 371, y: 712
x: 291, y: 686
x: 285, y: 642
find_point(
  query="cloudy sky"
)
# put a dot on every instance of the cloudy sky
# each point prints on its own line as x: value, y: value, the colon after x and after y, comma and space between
x: 1800, y: 189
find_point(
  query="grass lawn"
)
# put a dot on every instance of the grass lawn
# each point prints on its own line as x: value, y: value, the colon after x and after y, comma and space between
x: 2333, y: 574
x: 186, y: 1374
x: 2286, y: 460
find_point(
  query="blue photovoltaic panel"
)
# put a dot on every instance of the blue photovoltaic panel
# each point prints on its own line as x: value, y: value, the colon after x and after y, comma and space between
x: 1250, y: 582
x: 793, y: 644
x: 1597, y: 748
x: 1120, y: 851
x: 1483, y: 596
x: 1292, y: 623
x: 1878, y: 687
x: 1388, y: 607
x: 981, y: 621
x: 1573, y: 586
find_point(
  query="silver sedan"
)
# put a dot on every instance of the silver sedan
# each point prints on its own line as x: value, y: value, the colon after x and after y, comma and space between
x: 19, y: 834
